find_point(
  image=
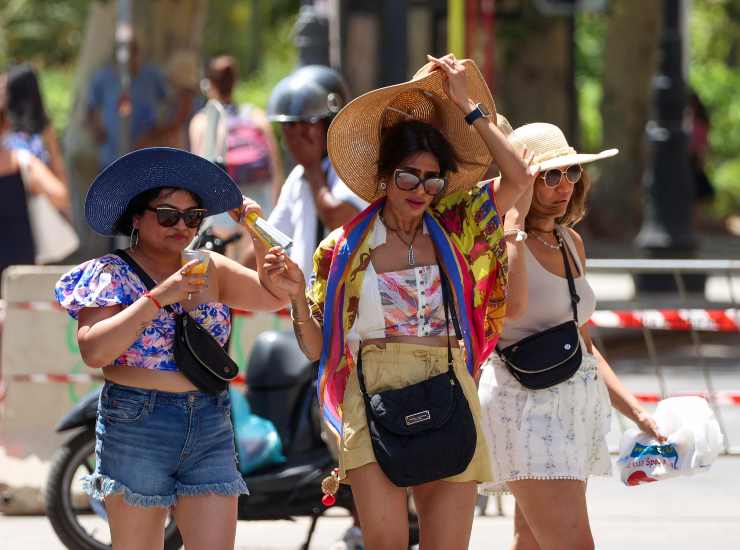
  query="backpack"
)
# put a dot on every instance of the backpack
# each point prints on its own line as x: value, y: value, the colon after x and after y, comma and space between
x: 247, y: 158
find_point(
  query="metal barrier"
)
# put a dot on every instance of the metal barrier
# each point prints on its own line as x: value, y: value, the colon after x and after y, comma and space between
x: 678, y: 312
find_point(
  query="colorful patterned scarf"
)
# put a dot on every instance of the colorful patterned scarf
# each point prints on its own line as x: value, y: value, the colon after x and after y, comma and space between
x: 466, y: 231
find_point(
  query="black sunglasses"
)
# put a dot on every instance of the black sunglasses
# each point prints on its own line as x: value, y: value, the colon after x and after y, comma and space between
x: 168, y: 216
x: 408, y: 181
x: 554, y: 176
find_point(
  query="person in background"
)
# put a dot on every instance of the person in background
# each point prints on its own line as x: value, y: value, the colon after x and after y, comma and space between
x: 147, y: 96
x: 22, y: 175
x: 28, y: 124
x: 544, y: 444
x: 313, y: 200
x: 246, y: 141
x: 181, y: 104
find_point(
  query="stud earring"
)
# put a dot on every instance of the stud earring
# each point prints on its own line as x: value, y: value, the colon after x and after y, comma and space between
x: 383, y: 186
x: 134, y: 238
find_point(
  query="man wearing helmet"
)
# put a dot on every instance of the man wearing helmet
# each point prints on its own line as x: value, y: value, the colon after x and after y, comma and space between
x: 313, y: 199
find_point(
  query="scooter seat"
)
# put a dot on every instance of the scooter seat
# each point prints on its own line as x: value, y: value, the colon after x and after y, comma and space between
x: 277, y: 362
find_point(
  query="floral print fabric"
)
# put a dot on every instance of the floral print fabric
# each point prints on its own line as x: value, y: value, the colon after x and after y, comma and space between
x: 109, y: 281
x: 412, y: 302
x: 555, y: 433
x: 466, y: 231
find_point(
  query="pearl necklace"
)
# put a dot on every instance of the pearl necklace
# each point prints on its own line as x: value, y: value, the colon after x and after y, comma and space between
x: 557, y: 246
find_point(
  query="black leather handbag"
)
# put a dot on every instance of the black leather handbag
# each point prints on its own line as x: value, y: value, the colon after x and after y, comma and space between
x: 552, y: 356
x: 425, y: 431
x: 198, y: 355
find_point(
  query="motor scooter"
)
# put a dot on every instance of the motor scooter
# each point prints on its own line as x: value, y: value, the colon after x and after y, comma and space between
x: 281, y: 388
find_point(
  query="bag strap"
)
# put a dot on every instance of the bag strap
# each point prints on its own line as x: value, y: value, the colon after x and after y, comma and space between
x: 143, y: 275
x: 565, y: 251
x: 450, y: 363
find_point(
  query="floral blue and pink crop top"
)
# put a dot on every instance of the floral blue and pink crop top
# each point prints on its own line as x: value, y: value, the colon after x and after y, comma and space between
x: 109, y: 281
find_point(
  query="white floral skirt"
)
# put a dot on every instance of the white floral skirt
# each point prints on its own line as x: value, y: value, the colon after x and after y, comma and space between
x: 555, y: 433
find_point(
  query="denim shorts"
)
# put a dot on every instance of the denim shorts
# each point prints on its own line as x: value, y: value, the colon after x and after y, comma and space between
x: 154, y: 446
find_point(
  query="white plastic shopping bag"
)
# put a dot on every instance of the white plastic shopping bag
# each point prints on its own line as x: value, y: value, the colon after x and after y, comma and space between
x: 694, y: 442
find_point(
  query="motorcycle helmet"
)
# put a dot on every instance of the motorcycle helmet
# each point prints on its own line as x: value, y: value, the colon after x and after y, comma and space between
x: 309, y: 94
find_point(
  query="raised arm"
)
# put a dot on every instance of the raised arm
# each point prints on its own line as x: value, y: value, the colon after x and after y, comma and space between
x: 515, y: 178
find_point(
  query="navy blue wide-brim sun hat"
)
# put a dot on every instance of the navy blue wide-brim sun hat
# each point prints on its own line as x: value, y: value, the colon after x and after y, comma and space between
x: 153, y: 167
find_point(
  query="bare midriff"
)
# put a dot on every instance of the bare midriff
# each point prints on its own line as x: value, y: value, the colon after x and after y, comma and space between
x: 433, y: 341
x: 149, y: 379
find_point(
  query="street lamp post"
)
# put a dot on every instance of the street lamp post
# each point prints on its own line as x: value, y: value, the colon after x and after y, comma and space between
x: 666, y: 230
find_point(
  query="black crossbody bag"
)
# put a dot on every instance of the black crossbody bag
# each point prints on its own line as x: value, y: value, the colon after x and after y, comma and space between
x: 552, y: 356
x: 425, y: 431
x: 198, y: 355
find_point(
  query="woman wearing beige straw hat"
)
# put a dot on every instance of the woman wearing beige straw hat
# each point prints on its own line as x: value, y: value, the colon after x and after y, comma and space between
x: 408, y: 298
x: 545, y: 394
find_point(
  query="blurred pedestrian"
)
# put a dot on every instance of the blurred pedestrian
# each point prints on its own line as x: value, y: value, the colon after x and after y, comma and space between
x: 29, y: 126
x: 396, y: 289
x: 546, y: 394
x: 23, y: 178
x: 163, y: 441
x: 246, y: 142
x: 314, y: 200
x: 142, y: 104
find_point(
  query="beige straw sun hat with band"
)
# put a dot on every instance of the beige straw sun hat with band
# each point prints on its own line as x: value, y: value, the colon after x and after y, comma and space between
x: 550, y: 148
x: 354, y: 135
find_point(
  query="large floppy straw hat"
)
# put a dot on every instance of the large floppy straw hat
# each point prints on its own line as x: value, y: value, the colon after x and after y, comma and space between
x: 550, y: 148
x: 355, y: 134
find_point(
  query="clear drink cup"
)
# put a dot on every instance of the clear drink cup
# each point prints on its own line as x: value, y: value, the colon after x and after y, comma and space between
x: 188, y: 255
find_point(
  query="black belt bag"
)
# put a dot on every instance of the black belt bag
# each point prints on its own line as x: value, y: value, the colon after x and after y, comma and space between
x: 425, y: 431
x: 198, y: 355
x: 552, y: 356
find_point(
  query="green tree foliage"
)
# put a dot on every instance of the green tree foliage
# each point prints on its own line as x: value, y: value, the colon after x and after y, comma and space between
x: 715, y: 76
x: 713, y: 40
x: 43, y: 31
x: 48, y: 33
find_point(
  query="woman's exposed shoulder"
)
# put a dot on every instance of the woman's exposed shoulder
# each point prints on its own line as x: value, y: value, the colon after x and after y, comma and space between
x: 578, y: 241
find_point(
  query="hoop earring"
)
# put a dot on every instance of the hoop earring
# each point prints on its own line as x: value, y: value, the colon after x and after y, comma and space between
x: 134, y: 238
x: 382, y: 185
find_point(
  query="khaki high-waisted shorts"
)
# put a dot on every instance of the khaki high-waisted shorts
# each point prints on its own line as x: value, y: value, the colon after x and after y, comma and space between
x: 395, y: 366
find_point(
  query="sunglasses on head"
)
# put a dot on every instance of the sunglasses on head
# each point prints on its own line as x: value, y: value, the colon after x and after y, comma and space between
x: 554, y: 176
x: 168, y: 216
x: 408, y: 181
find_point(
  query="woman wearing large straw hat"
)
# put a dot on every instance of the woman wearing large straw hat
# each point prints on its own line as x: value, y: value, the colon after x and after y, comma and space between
x: 161, y: 442
x: 389, y: 289
x: 546, y: 400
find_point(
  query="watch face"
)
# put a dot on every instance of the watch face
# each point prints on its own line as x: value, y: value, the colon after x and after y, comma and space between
x: 484, y: 110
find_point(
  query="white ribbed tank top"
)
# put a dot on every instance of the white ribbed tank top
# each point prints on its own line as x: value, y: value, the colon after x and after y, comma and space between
x: 548, y: 298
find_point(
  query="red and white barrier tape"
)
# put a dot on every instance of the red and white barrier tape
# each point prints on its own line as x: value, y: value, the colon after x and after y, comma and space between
x: 54, y: 306
x: 714, y: 320
x: 82, y: 378
x: 720, y: 397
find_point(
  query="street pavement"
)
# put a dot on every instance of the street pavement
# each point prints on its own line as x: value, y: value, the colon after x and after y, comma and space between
x: 691, y: 513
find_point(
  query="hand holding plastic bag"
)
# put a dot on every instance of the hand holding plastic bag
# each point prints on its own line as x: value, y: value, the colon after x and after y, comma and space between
x: 694, y: 442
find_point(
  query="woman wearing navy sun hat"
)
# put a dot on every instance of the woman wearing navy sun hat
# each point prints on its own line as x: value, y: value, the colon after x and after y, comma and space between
x: 161, y: 441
